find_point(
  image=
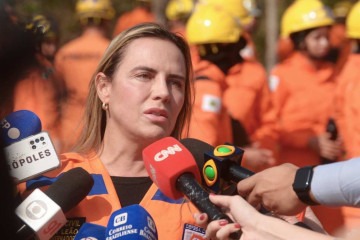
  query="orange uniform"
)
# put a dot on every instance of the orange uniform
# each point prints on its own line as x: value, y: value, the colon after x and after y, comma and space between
x: 37, y: 93
x: 348, y: 109
x: 75, y: 63
x: 210, y: 121
x: 129, y: 19
x: 303, y: 99
x: 248, y: 100
x: 173, y: 218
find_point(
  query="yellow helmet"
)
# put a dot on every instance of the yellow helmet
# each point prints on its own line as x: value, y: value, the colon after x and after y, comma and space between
x: 237, y: 8
x: 211, y: 24
x: 43, y: 26
x: 101, y: 9
x: 353, y: 22
x: 305, y: 14
x: 179, y: 9
x: 342, y: 8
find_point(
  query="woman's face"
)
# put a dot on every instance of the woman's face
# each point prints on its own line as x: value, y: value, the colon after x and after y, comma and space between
x: 148, y: 90
x: 317, y: 42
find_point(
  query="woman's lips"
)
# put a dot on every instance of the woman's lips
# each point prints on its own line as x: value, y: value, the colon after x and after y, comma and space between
x: 157, y: 114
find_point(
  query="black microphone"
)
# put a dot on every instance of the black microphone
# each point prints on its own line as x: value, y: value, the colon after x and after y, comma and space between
x: 42, y: 213
x: 219, y: 165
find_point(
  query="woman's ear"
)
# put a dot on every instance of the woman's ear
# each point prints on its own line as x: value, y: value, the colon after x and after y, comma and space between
x: 103, y: 87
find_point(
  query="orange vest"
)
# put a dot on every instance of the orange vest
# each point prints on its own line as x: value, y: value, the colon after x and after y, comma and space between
x: 171, y: 217
x: 76, y: 63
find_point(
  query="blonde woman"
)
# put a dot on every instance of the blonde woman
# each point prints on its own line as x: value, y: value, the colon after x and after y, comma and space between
x: 140, y: 93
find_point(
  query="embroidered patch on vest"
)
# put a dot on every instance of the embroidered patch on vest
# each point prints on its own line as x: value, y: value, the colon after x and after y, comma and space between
x: 211, y: 103
x: 70, y: 229
x: 192, y: 232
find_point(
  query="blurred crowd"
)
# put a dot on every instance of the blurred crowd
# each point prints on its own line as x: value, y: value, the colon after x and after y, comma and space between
x: 305, y: 111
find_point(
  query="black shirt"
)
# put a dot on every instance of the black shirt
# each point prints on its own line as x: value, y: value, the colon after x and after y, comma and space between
x: 131, y: 190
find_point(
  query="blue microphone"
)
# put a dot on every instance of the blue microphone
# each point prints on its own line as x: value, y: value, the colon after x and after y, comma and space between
x: 91, y: 231
x: 131, y: 223
x: 19, y: 125
x: 28, y: 150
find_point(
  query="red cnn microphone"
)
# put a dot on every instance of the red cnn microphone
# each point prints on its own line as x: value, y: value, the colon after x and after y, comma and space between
x: 173, y: 169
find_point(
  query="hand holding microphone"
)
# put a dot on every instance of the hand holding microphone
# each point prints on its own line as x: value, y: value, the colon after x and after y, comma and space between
x: 173, y: 169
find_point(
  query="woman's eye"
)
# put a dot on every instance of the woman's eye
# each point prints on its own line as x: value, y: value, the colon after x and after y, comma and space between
x: 177, y: 83
x: 143, y: 76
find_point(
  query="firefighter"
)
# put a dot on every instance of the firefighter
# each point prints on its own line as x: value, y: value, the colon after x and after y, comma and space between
x: 76, y: 61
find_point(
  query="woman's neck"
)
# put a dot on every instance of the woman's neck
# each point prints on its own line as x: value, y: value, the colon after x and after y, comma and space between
x: 122, y: 157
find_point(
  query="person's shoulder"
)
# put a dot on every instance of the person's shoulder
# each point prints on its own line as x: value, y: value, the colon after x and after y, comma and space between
x: 254, y: 67
x: 70, y: 44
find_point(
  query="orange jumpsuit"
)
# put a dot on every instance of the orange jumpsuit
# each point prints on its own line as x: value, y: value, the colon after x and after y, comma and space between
x: 348, y: 116
x: 129, y: 19
x: 210, y: 121
x: 37, y: 93
x: 303, y: 99
x: 248, y: 100
x: 75, y: 63
x: 173, y: 218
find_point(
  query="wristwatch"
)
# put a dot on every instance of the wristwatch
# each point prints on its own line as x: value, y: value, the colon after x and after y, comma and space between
x: 302, y: 184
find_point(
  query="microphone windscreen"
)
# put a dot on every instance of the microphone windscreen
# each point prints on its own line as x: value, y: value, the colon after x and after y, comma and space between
x: 71, y: 187
x: 165, y: 161
x: 198, y: 149
x: 131, y: 223
x: 90, y: 231
x: 19, y: 125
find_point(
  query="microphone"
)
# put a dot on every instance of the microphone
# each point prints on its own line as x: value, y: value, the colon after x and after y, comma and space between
x: 42, y: 213
x: 133, y: 223
x: 219, y: 165
x: 19, y: 125
x: 173, y: 169
x: 28, y: 150
x: 331, y: 128
x: 90, y: 231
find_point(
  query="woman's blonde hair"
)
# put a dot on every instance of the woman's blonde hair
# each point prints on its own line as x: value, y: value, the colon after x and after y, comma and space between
x: 94, y: 119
